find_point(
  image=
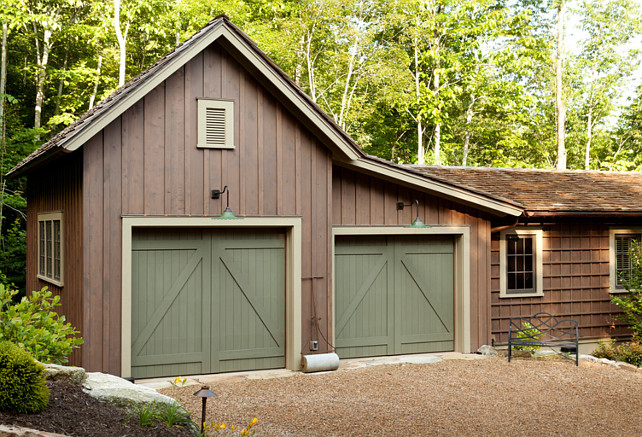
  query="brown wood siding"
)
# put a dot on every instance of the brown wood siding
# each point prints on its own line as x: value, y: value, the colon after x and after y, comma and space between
x: 361, y: 200
x: 576, y: 282
x: 146, y: 163
x: 64, y: 195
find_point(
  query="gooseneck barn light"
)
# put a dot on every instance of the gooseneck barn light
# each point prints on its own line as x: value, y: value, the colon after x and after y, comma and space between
x: 227, y: 214
x: 417, y: 223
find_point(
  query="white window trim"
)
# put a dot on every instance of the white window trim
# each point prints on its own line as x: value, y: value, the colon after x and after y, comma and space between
x: 612, y: 262
x: 228, y: 106
x: 539, y: 265
x: 51, y: 216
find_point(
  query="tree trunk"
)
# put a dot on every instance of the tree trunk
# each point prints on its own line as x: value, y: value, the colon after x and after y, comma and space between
x: 92, y: 99
x: 121, y: 43
x: 469, y: 120
x: 560, y: 105
x: 3, y: 84
x: 61, y: 82
x: 421, y: 153
x: 437, y: 137
x: 40, y: 83
x: 589, y: 134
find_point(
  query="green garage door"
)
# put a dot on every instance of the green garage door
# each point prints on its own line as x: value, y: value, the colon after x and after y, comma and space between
x: 393, y: 295
x: 207, y: 301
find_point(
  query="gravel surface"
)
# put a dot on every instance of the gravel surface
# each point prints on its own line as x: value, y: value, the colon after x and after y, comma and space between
x: 481, y: 397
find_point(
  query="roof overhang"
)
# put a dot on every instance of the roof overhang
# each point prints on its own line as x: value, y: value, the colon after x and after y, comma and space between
x: 412, y: 180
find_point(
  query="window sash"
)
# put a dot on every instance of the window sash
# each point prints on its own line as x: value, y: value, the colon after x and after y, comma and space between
x: 623, y: 266
x: 50, y: 248
x: 520, y: 266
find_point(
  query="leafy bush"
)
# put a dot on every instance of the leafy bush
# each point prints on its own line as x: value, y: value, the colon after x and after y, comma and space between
x: 528, y: 332
x: 22, y: 383
x: 33, y: 324
x: 631, y: 302
x: 630, y: 352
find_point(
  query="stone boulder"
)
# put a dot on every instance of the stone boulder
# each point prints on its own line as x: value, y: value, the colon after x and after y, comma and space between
x: 487, y: 350
x: 19, y: 431
x: 120, y: 392
x: 54, y: 372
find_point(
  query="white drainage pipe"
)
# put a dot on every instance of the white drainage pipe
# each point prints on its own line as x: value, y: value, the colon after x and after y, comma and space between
x: 320, y: 362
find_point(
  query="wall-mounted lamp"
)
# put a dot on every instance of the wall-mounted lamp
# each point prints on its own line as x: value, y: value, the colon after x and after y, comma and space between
x: 417, y: 223
x: 227, y: 214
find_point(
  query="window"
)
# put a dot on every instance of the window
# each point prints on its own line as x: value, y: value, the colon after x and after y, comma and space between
x: 215, y: 124
x: 51, y: 247
x: 620, y: 262
x: 520, y: 263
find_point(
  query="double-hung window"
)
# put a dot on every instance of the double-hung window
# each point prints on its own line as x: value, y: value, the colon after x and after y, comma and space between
x: 620, y: 262
x: 520, y: 263
x: 51, y: 247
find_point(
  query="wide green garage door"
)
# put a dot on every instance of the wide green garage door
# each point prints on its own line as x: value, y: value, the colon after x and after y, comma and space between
x: 393, y: 295
x: 207, y: 301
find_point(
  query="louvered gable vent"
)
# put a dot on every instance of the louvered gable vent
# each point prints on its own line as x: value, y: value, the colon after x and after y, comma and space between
x: 215, y: 124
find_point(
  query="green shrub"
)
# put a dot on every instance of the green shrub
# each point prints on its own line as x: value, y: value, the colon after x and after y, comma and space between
x: 630, y: 352
x: 631, y: 302
x: 22, y: 383
x: 33, y: 324
x: 531, y: 333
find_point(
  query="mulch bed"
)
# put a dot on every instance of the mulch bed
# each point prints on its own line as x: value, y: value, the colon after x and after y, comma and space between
x: 72, y: 412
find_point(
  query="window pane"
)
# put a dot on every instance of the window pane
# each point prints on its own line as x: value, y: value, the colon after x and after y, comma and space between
x: 56, y: 250
x: 48, y: 249
x: 41, y: 251
x: 520, y: 263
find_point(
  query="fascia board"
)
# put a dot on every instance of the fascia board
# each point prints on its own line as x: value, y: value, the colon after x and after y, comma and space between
x: 291, y: 95
x: 464, y: 196
x: 155, y: 79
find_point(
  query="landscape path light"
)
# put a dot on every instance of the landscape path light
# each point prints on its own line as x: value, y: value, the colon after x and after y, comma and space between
x: 204, y: 393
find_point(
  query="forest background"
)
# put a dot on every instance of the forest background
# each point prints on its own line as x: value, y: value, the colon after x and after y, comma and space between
x: 446, y: 82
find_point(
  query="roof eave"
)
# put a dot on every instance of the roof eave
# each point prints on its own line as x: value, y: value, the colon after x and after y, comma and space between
x: 461, y: 195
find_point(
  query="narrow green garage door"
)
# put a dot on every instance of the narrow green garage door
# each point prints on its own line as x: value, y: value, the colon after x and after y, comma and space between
x: 207, y: 301
x: 393, y: 295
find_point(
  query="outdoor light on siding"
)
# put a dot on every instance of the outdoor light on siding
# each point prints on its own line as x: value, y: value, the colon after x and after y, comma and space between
x: 204, y: 393
x: 227, y: 214
x: 417, y: 223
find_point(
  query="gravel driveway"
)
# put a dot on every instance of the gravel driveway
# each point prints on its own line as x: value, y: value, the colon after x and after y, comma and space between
x: 450, y: 398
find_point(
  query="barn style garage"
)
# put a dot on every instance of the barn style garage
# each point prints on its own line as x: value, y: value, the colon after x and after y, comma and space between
x: 210, y: 217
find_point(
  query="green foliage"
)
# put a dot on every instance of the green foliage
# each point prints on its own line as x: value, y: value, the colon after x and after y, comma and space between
x: 631, y: 302
x: 630, y: 352
x: 13, y: 255
x: 33, y: 324
x: 528, y: 333
x: 148, y: 413
x: 22, y: 383
x: 173, y: 415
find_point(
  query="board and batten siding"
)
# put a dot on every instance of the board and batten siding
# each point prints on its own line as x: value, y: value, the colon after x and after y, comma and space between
x: 146, y: 163
x: 576, y: 282
x: 64, y: 195
x: 363, y: 200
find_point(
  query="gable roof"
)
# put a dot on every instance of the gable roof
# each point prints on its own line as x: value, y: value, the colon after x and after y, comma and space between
x: 221, y: 30
x: 555, y: 191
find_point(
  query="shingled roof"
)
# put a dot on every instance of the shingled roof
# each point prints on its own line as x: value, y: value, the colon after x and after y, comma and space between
x: 550, y: 190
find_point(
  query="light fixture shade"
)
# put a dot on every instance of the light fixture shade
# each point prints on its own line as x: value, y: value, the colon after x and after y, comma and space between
x: 418, y: 224
x: 227, y: 215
